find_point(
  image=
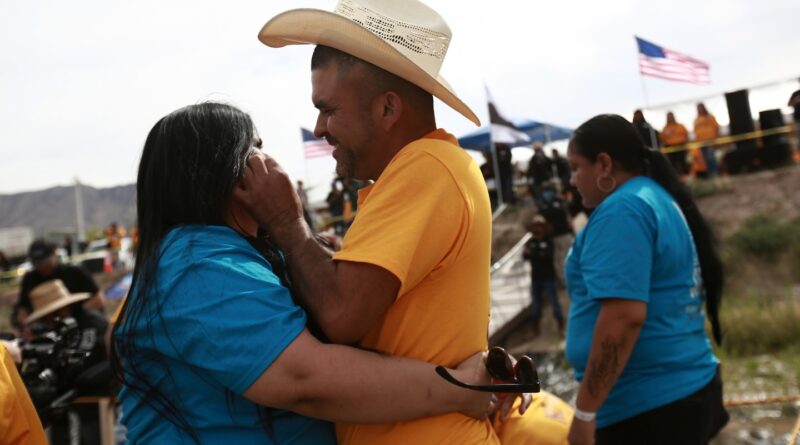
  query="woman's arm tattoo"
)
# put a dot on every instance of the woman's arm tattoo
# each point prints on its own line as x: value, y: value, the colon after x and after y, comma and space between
x: 603, y: 371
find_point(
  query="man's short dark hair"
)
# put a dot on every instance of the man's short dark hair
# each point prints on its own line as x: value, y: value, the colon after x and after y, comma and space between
x: 378, y: 79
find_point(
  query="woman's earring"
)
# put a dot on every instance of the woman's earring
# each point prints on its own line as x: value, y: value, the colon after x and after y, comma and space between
x: 606, y: 189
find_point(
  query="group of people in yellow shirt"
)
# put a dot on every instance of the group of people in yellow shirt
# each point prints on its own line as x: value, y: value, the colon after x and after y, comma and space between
x: 703, y: 160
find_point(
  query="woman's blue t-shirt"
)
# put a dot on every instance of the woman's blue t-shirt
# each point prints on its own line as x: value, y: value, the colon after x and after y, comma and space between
x: 638, y: 246
x: 218, y: 319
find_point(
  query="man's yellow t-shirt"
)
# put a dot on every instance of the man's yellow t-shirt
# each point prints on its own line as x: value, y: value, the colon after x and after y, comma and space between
x: 428, y: 221
x: 19, y: 423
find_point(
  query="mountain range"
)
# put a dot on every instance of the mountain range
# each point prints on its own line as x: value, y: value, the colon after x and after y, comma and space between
x: 53, y: 209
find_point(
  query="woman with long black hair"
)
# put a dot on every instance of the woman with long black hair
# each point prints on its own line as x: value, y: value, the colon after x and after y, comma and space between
x: 642, y: 275
x: 210, y: 347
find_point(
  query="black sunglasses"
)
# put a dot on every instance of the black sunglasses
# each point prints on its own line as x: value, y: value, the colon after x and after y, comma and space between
x: 498, y: 363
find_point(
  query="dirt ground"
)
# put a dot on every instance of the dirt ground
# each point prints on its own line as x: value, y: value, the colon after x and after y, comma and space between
x: 772, y: 192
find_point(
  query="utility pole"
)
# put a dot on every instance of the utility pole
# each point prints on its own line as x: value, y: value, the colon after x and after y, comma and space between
x: 79, y: 211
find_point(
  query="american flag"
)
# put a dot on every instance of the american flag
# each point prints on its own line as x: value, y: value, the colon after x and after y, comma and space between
x: 657, y: 61
x: 314, y: 147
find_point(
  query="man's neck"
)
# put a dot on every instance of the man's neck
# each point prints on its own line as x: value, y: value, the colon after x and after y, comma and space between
x: 403, y: 136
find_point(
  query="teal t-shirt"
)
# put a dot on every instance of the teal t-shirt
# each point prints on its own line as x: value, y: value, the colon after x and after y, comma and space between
x: 637, y: 245
x: 218, y: 317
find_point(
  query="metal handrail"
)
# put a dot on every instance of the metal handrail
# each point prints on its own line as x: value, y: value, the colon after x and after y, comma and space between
x: 511, y: 253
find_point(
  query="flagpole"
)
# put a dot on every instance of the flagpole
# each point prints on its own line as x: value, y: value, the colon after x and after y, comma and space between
x: 79, y: 220
x: 653, y: 141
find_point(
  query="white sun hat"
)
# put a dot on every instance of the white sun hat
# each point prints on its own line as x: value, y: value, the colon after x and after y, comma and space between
x: 406, y: 38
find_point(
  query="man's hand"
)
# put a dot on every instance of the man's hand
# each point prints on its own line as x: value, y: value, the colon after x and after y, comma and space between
x: 581, y: 433
x: 477, y: 405
x: 267, y: 192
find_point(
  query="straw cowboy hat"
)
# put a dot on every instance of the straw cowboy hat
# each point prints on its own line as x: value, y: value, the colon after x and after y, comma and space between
x: 405, y: 38
x: 51, y: 296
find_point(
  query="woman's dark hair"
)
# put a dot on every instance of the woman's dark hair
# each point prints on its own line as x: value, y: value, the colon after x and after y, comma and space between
x: 191, y: 161
x: 614, y: 135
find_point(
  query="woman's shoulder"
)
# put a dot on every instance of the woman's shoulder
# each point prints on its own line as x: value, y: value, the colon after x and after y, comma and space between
x: 634, y: 193
x: 212, y: 248
x: 200, y: 241
x: 636, y: 198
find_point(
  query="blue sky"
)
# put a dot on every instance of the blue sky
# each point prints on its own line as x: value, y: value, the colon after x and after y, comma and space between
x: 82, y: 82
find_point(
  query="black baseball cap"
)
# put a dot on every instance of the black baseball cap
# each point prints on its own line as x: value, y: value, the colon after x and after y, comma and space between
x: 40, y: 250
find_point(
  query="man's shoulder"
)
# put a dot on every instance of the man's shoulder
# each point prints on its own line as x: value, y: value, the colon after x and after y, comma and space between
x: 434, y: 160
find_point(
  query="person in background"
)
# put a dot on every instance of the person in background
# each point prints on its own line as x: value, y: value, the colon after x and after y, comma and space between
x: 114, y: 234
x: 539, y: 251
x: 555, y: 210
x: 487, y: 172
x: 706, y: 128
x: 5, y: 265
x: 134, y: 239
x: 540, y: 171
x: 67, y: 245
x: 301, y: 193
x: 561, y: 169
x: 51, y: 301
x: 673, y: 134
x: 646, y: 131
x: 642, y: 276
x: 46, y: 267
x: 794, y: 101
x: 335, y: 202
x: 504, y: 163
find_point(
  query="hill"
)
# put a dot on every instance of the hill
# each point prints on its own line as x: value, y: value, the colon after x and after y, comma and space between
x: 54, y: 208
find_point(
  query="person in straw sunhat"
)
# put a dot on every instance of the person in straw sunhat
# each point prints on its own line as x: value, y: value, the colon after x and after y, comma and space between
x: 412, y: 277
x: 46, y: 267
x: 52, y: 300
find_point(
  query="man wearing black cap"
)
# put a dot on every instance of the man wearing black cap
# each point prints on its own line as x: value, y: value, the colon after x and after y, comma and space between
x: 46, y: 267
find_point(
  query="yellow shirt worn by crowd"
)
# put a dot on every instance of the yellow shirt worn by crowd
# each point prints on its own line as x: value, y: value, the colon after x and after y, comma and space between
x: 427, y: 220
x: 706, y: 127
x: 19, y: 424
x: 674, y: 134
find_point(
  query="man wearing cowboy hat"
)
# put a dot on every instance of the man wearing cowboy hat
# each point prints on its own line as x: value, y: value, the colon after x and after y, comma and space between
x: 412, y: 277
x: 46, y: 267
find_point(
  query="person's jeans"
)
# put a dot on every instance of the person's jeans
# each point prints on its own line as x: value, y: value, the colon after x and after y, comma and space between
x: 711, y: 160
x: 537, y: 286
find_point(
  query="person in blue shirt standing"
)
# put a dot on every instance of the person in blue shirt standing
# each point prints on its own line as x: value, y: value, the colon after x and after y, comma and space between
x: 642, y: 275
x: 210, y: 346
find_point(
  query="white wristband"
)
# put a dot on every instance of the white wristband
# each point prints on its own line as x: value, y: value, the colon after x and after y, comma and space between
x: 584, y: 415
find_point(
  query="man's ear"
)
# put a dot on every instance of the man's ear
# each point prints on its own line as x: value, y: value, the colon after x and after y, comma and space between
x: 390, y: 108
